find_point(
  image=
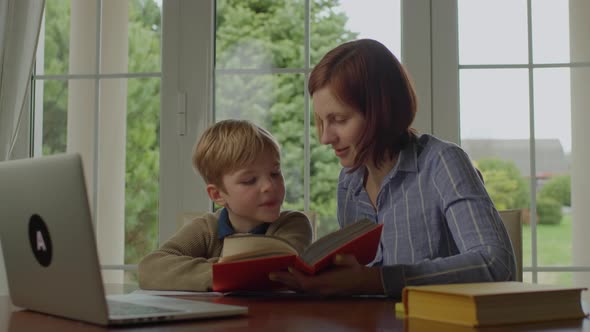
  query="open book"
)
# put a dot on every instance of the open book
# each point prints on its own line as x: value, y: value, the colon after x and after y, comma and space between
x: 246, y: 260
x: 492, y: 303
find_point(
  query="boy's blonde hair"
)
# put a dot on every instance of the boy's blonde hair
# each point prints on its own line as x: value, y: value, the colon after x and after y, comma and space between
x: 228, y: 145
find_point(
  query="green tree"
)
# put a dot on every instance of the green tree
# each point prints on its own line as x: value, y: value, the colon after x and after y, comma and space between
x: 503, y: 181
x: 55, y: 100
x: 143, y: 131
x: 558, y: 189
x: 549, y: 211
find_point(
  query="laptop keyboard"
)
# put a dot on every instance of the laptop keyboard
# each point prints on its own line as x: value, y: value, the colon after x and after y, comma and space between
x: 117, y: 308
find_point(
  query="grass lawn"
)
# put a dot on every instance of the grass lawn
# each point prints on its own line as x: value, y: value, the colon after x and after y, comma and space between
x: 554, y: 248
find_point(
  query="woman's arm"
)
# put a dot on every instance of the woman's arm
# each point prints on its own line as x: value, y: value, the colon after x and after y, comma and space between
x: 485, y: 252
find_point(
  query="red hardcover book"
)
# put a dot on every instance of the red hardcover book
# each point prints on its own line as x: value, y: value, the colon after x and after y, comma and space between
x: 246, y: 260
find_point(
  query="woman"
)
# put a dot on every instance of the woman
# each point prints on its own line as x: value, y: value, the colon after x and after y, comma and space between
x: 440, y: 225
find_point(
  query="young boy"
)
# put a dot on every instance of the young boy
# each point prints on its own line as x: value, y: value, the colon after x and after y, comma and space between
x: 240, y: 162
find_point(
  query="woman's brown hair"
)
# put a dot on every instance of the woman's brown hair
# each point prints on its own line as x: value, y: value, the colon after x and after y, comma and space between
x: 365, y: 75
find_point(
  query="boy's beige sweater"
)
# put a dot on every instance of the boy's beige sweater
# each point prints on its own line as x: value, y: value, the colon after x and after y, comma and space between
x: 184, y: 261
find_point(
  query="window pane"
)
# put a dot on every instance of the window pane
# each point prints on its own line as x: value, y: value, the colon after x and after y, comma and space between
x: 55, y: 39
x: 325, y: 169
x: 553, y: 106
x: 274, y: 102
x: 64, y: 115
x: 352, y: 19
x: 492, y: 31
x: 553, y: 155
x: 62, y: 36
x: 495, y: 134
x: 551, y: 31
x: 494, y: 103
x: 143, y: 31
x: 259, y: 34
x: 142, y: 168
x: 52, y: 108
x: 554, y: 245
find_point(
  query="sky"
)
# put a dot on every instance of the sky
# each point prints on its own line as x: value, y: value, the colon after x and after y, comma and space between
x: 494, y: 103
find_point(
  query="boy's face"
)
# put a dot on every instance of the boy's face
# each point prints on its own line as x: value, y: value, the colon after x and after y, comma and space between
x: 253, y: 194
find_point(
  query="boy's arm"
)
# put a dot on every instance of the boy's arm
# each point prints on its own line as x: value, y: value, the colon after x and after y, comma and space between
x: 294, y: 227
x: 184, y: 261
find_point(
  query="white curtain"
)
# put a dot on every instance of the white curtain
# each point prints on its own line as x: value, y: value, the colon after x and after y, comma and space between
x: 20, y: 21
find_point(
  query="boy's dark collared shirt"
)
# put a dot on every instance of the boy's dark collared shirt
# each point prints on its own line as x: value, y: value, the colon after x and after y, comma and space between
x: 224, y: 227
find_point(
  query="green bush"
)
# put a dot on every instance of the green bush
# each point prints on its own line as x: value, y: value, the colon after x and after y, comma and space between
x: 558, y: 189
x: 549, y: 211
x: 506, y: 186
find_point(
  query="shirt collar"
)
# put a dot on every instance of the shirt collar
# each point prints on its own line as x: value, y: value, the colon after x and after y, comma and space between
x: 224, y: 227
x: 408, y: 159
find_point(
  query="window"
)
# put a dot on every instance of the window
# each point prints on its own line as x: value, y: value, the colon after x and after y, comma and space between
x: 517, y: 87
x: 97, y: 92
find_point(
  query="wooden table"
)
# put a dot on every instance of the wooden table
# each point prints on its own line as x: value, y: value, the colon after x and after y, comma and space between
x: 275, y: 314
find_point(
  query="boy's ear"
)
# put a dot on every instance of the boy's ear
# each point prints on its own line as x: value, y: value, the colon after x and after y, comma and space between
x: 215, y: 194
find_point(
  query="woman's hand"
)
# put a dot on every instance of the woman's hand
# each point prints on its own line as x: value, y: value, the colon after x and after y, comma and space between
x: 345, y: 277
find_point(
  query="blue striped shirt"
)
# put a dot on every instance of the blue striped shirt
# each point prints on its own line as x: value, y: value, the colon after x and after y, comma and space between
x: 439, y: 223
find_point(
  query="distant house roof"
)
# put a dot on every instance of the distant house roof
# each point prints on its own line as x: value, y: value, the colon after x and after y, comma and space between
x: 550, y: 157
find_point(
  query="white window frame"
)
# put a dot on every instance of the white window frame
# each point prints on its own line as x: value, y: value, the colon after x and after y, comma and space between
x: 188, y: 49
x: 446, y: 115
x: 429, y: 50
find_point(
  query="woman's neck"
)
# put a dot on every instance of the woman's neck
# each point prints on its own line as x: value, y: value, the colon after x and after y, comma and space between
x: 374, y: 176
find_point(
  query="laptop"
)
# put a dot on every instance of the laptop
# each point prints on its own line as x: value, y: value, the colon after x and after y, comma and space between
x: 50, y: 250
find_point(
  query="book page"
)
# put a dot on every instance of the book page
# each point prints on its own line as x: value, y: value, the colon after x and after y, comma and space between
x: 323, y: 246
x: 241, y: 247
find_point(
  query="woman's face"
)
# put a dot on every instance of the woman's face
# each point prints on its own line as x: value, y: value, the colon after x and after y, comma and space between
x: 341, y: 125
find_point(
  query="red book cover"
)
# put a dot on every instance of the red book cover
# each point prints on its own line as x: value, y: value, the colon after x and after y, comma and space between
x: 252, y: 274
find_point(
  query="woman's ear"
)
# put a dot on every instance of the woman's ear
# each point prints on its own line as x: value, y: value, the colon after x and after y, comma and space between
x: 215, y: 194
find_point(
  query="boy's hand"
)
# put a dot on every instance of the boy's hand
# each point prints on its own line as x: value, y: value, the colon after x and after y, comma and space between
x: 345, y: 277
